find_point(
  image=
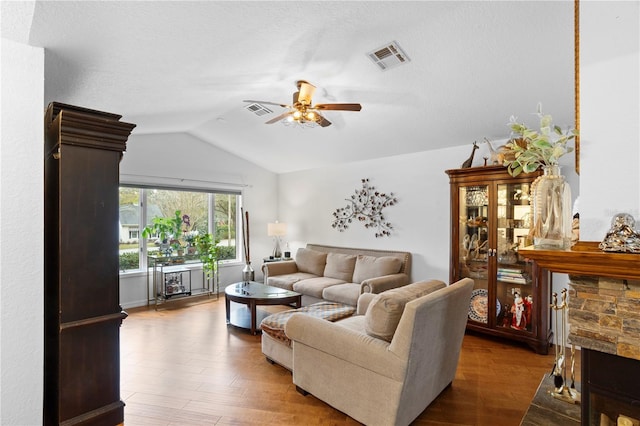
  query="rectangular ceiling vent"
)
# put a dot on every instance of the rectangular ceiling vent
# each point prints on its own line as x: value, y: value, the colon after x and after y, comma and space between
x: 388, y: 56
x: 258, y: 109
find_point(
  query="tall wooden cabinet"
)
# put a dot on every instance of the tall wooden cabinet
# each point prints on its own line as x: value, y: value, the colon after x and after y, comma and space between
x: 82, y: 313
x: 490, y: 220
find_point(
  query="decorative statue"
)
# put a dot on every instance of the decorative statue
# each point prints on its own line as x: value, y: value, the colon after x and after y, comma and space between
x: 519, y: 321
x: 468, y: 161
x: 497, y: 156
x: 622, y: 237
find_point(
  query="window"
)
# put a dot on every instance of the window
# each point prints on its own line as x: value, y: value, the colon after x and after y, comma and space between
x: 208, y: 212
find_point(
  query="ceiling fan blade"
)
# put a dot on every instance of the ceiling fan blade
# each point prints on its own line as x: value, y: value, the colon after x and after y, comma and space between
x: 306, y: 91
x: 280, y: 117
x: 323, y: 122
x: 339, y: 107
x: 268, y: 103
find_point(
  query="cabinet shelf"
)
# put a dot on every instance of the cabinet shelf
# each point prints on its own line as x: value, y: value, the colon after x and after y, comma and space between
x: 511, y: 293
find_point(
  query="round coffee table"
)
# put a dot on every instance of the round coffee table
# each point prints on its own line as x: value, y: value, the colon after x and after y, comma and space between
x: 252, y: 294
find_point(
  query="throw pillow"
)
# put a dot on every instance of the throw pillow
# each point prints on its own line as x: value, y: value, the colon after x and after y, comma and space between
x: 340, y: 266
x: 385, y: 310
x: 311, y: 261
x: 372, y: 267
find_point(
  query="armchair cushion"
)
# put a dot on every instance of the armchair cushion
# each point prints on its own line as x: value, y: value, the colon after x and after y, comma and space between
x: 370, y: 267
x: 340, y: 266
x: 311, y: 261
x: 385, y: 310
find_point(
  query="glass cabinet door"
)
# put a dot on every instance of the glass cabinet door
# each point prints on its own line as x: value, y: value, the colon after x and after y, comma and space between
x: 473, y: 247
x: 513, y: 274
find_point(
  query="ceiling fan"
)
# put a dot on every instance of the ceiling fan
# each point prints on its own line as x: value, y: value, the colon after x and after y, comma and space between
x: 303, y: 111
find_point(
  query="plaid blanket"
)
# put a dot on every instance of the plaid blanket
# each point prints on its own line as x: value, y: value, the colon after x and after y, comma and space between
x: 273, y: 325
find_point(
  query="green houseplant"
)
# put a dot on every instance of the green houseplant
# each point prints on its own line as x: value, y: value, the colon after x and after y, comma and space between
x: 165, y: 227
x: 530, y: 149
x: 168, y: 230
x: 550, y: 193
x: 209, y: 253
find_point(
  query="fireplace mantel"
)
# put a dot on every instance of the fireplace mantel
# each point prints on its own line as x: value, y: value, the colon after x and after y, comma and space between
x: 585, y: 258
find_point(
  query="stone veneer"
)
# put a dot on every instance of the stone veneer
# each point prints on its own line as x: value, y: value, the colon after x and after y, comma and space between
x: 604, y: 315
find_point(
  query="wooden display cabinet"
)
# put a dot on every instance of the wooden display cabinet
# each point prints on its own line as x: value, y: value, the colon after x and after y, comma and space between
x: 490, y: 221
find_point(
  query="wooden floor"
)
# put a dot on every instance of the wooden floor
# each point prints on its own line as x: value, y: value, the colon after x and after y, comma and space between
x: 185, y: 366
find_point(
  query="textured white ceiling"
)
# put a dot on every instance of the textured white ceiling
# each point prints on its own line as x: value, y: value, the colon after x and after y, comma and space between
x: 186, y: 67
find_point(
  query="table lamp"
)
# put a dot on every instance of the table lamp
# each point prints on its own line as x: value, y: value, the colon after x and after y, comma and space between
x: 277, y: 230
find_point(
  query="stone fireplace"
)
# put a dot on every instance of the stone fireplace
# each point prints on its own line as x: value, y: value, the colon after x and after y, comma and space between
x: 604, y: 320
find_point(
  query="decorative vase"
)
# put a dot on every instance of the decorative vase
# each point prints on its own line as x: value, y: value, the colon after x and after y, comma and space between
x: 247, y: 273
x: 551, y: 201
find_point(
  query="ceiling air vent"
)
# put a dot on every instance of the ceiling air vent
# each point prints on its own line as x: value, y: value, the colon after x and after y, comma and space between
x: 388, y: 56
x: 258, y: 109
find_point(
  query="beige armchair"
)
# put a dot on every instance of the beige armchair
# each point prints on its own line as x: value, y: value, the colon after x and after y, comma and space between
x: 380, y: 382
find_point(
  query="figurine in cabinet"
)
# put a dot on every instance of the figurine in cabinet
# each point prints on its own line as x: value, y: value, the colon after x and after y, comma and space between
x: 519, y: 321
x: 528, y: 307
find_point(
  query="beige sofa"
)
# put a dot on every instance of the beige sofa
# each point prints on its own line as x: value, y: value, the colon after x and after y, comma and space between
x: 387, y: 363
x: 339, y: 274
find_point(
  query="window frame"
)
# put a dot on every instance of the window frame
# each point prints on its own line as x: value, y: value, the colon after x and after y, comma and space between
x: 211, y: 201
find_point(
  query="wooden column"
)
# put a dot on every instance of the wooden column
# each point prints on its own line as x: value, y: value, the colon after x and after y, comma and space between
x: 82, y: 309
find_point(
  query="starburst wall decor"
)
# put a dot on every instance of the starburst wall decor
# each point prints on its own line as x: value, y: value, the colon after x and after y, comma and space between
x: 365, y: 206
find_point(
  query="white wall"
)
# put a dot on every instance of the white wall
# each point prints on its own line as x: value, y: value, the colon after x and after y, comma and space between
x: 183, y: 159
x: 610, y: 91
x: 21, y: 234
x: 421, y: 218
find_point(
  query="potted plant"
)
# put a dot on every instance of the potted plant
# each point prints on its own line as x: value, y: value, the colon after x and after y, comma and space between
x: 209, y: 252
x: 168, y: 230
x: 550, y: 194
x: 190, y: 240
x: 531, y: 149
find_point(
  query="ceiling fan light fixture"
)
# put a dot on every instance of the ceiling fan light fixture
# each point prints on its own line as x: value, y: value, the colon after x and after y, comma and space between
x: 302, y: 112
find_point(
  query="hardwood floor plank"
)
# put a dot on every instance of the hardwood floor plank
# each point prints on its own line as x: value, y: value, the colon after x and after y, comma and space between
x: 182, y: 365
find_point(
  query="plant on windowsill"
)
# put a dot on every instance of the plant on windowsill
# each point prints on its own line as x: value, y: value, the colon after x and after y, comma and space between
x: 190, y: 240
x: 168, y: 230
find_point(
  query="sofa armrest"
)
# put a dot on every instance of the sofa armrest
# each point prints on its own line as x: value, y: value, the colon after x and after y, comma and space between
x: 363, y: 303
x: 386, y: 282
x: 271, y: 269
x: 345, y: 344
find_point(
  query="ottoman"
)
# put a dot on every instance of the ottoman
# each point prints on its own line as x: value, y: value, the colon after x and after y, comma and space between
x: 276, y: 346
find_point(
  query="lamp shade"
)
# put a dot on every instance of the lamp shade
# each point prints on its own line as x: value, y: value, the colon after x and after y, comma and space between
x: 276, y: 229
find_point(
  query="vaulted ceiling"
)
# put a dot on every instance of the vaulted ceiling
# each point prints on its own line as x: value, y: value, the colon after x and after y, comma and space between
x: 187, y: 67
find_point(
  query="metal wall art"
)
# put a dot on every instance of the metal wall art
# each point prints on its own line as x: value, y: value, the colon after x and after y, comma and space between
x: 365, y: 206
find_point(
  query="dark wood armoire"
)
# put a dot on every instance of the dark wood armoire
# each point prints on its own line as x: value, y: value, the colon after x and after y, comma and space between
x: 82, y: 312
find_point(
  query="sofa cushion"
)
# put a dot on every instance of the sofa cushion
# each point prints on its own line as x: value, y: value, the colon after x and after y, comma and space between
x: 371, y: 267
x: 311, y: 261
x: 286, y: 281
x: 315, y: 286
x: 340, y: 266
x: 346, y: 293
x: 385, y: 310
